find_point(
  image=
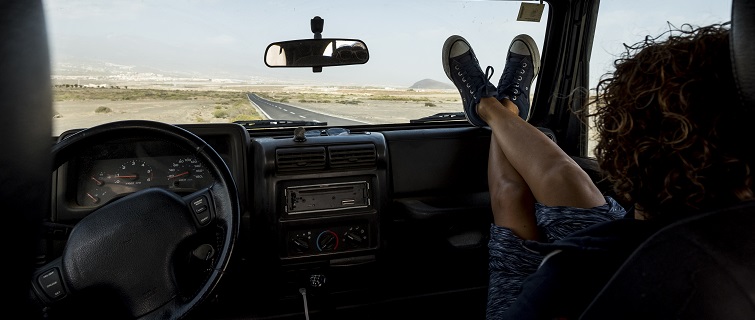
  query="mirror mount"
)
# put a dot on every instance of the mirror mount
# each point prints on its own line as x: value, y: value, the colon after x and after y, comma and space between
x: 316, y: 25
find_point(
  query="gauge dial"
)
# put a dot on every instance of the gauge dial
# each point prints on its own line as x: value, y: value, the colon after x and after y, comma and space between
x: 186, y: 172
x: 98, y: 179
x: 94, y: 189
x: 95, y: 196
x: 132, y: 172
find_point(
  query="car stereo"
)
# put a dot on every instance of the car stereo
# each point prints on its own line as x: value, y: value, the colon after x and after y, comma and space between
x: 327, y: 197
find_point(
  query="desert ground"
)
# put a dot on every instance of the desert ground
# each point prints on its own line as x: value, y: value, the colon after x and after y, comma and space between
x: 76, y: 107
x: 369, y: 105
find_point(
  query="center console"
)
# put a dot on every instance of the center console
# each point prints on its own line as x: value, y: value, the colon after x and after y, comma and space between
x: 321, y: 196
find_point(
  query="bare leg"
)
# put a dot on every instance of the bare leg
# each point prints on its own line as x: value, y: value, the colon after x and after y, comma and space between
x: 549, y: 174
x: 510, y: 197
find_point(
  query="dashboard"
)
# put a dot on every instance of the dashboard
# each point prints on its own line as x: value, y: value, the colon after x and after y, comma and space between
x: 314, y: 210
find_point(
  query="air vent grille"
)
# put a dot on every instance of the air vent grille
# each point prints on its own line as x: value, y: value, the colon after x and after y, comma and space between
x: 300, y: 159
x: 361, y: 155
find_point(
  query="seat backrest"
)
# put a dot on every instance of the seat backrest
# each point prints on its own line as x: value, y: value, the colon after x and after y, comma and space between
x: 702, y: 267
x: 699, y: 268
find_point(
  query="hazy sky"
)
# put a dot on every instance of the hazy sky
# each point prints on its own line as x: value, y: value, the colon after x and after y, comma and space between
x: 218, y: 38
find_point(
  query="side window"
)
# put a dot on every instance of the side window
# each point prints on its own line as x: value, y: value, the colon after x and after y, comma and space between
x: 627, y: 22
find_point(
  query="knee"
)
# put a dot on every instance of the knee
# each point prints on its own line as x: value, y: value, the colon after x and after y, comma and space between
x: 508, y: 189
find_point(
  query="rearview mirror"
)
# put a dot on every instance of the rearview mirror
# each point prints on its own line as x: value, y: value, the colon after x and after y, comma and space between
x: 316, y: 53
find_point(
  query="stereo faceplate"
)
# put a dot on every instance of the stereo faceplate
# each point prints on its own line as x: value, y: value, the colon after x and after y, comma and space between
x: 327, y: 197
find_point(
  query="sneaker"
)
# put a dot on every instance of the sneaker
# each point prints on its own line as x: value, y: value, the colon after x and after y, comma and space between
x: 522, y: 66
x: 462, y: 67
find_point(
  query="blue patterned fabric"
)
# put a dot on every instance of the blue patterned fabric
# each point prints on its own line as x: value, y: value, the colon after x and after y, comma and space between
x: 511, y: 262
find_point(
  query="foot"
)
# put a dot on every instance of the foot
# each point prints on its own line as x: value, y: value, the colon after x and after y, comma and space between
x: 522, y: 66
x: 462, y: 67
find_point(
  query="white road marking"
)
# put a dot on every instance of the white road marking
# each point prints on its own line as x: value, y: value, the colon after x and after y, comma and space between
x: 302, y: 117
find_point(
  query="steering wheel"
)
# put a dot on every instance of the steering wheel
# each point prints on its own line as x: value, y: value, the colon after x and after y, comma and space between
x: 129, y: 250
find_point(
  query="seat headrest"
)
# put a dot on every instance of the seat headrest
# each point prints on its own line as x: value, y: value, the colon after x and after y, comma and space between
x: 742, y: 45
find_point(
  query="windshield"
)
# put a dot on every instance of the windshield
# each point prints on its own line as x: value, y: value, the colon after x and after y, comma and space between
x: 203, y: 61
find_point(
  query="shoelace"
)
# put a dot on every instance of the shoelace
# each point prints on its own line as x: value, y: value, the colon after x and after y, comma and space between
x: 474, y: 74
x: 513, y: 89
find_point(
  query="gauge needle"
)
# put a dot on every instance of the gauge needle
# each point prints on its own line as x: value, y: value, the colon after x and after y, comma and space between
x: 178, y: 175
x: 98, y: 182
x: 94, y: 199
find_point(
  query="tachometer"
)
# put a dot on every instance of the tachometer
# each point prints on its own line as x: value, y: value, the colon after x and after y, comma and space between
x: 132, y: 172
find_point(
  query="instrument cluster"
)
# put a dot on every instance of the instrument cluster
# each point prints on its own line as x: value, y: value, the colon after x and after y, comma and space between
x: 107, y: 175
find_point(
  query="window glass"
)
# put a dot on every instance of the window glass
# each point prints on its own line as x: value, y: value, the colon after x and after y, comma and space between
x: 621, y: 22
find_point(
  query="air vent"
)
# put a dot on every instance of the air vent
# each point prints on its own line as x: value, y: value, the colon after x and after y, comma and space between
x: 300, y: 159
x: 361, y: 155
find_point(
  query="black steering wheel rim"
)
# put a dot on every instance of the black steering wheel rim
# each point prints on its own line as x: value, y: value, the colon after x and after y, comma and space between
x: 223, y: 195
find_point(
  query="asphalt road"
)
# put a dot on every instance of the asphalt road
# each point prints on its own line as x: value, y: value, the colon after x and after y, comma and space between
x: 280, y: 111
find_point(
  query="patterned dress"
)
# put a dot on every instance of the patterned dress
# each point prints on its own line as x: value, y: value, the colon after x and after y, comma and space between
x: 511, y: 262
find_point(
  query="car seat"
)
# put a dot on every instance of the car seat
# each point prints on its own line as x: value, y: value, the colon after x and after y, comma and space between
x: 702, y: 267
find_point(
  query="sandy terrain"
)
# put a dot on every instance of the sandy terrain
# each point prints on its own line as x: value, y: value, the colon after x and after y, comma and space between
x: 80, y: 114
x: 391, y: 106
x: 376, y: 106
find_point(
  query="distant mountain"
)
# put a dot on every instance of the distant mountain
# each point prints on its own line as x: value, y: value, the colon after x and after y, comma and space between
x: 431, y: 84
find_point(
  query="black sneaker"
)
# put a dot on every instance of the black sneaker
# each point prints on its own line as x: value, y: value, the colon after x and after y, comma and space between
x: 462, y: 67
x: 522, y: 66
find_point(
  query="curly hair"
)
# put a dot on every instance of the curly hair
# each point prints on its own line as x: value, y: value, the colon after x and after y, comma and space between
x: 669, y: 124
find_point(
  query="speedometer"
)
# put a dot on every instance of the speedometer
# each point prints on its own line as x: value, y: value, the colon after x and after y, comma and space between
x: 186, y: 172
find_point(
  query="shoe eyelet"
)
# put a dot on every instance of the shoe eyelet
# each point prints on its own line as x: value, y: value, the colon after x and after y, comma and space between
x: 456, y: 67
x: 513, y: 98
x: 524, y: 64
x: 516, y: 91
x: 463, y: 80
x: 468, y: 86
x: 516, y: 85
x: 521, y: 71
x: 519, y: 78
x: 459, y: 73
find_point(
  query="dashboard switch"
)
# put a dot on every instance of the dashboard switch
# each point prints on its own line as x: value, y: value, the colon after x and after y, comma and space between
x: 300, y: 244
x: 51, y: 284
x: 200, y: 208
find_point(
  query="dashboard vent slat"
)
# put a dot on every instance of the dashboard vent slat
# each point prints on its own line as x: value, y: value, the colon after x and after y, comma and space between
x: 362, y: 155
x: 300, y: 159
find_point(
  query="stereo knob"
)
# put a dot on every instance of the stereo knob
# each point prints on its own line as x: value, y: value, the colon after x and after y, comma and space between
x: 300, y: 244
x: 353, y: 238
x: 327, y: 241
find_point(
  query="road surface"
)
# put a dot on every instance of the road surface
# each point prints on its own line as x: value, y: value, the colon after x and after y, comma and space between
x: 280, y: 111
